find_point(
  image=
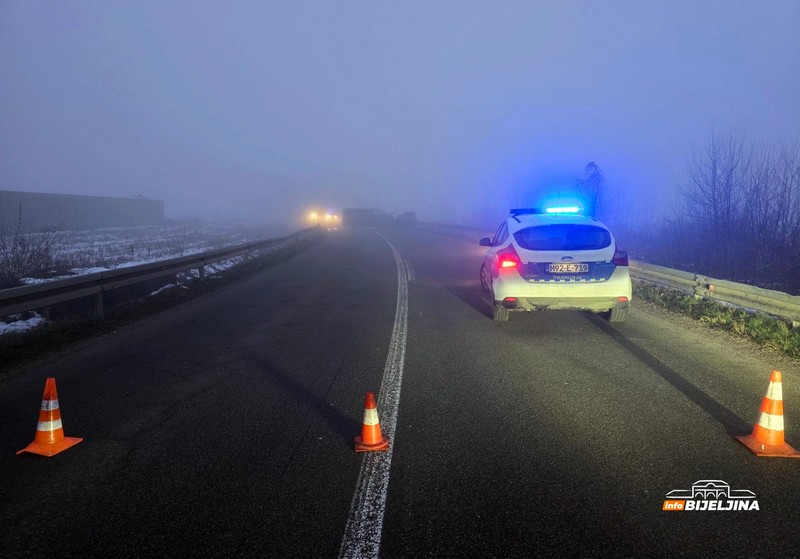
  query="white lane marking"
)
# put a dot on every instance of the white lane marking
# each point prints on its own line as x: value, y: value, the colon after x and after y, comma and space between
x: 362, y: 536
x: 410, y: 271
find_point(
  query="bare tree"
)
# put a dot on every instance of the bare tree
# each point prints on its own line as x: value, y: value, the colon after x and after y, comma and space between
x: 786, y: 177
x: 714, y: 200
x: 739, y: 218
x: 24, y: 253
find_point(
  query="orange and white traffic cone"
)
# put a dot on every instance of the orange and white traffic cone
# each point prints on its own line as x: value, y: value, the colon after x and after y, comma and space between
x: 50, y: 439
x: 767, y: 438
x: 371, y: 437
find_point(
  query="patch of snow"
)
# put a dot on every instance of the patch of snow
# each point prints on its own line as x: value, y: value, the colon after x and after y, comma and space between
x: 85, y: 271
x: 223, y: 265
x: 74, y: 272
x: 168, y: 286
x: 21, y: 325
x: 98, y: 250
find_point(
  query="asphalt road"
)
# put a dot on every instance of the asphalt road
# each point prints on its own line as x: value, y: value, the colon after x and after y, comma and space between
x: 223, y: 427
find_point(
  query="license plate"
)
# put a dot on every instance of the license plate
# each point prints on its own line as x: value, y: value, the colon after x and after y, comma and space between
x: 567, y: 268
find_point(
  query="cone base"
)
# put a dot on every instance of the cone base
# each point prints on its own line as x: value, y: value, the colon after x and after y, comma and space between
x: 761, y: 449
x: 50, y: 449
x: 364, y: 447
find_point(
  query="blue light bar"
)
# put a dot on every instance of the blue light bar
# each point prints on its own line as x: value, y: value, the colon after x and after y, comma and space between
x: 563, y: 210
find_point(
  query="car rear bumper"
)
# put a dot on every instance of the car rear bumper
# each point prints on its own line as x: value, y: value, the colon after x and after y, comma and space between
x: 594, y: 296
x: 599, y: 304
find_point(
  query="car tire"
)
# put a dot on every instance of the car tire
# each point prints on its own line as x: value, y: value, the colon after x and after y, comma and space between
x: 485, y: 280
x: 616, y: 315
x: 499, y: 313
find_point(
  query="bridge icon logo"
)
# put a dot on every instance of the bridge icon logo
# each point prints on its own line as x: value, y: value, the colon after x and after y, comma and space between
x: 712, y: 495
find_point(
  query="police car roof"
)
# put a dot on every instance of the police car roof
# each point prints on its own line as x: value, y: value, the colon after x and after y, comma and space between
x: 521, y: 221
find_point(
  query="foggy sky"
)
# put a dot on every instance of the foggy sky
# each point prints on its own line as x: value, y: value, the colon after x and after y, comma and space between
x: 454, y: 109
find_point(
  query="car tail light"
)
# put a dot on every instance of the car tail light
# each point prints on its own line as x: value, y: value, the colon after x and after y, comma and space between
x: 508, y: 258
x: 620, y: 258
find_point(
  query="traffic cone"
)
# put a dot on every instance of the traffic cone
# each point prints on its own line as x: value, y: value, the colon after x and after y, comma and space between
x: 767, y: 437
x: 50, y: 439
x: 371, y: 437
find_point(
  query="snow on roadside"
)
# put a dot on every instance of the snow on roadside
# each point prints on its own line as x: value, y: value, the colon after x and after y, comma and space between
x: 73, y: 272
x: 21, y: 325
x: 214, y: 268
x: 116, y: 252
x: 126, y: 247
x: 168, y: 286
x: 223, y: 265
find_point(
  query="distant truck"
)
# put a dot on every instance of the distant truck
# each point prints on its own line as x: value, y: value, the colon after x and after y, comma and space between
x: 364, y: 217
x: 370, y: 217
x: 406, y: 219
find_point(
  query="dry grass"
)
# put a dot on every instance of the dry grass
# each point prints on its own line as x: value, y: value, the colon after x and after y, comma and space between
x: 769, y: 331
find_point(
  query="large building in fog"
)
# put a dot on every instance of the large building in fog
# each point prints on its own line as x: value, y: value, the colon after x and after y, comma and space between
x: 69, y: 211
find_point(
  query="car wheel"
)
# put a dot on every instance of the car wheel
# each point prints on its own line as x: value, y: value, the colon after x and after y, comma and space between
x: 616, y: 315
x: 484, y: 279
x: 499, y: 313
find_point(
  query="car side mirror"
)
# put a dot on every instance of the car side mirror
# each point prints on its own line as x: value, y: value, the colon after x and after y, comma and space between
x: 485, y: 242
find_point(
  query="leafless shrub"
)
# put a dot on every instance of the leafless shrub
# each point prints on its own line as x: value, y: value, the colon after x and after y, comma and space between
x: 24, y: 253
x: 714, y: 200
x: 740, y: 219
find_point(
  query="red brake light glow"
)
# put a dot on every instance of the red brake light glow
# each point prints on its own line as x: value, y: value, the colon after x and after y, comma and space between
x: 620, y: 258
x: 508, y: 258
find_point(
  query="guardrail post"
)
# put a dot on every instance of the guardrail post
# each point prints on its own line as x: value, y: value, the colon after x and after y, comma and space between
x: 202, y: 272
x: 98, y: 305
x: 698, y: 287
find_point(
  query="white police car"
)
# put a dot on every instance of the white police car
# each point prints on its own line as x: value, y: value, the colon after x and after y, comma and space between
x: 555, y: 259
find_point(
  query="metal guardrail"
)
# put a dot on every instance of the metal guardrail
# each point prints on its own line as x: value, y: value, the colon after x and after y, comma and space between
x: 31, y: 297
x: 742, y: 295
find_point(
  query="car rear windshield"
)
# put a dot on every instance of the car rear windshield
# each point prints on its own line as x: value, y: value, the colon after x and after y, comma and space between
x: 563, y: 237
